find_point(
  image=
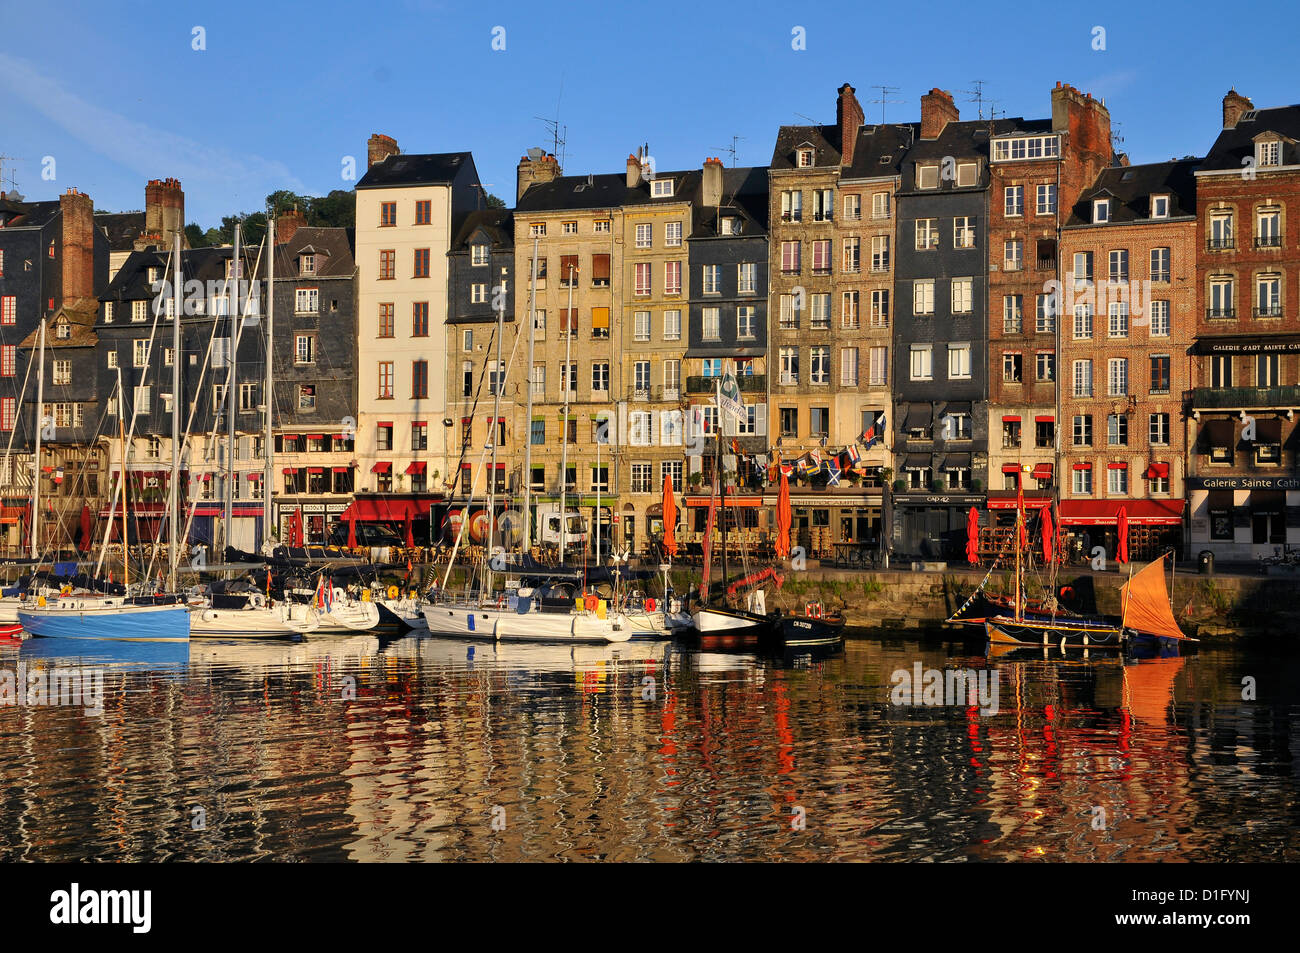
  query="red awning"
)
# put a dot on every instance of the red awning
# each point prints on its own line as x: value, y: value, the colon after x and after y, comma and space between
x: 1043, y: 471
x: 419, y: 423
x: 416, y: 467
x: 1045, y: 420
x: 1083, y: 466
x: 342, y: 469
x: 386, y: 511
x: 289, y: 470
x: 384, y: 423
x: 341, y: 436
x: 1010, y: 468
x: 315, y: 436
x: 255, y: 477
x: 1011, y: 418
x: 315, y: 469
x: 13, y: 514
x: 1157, y: 470
x: 1117, y: 466
x: 382, y: 467
x: 1009, y: 502
x: 1103, y: 512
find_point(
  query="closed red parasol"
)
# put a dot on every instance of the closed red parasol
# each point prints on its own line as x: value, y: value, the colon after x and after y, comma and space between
x: 1121, y: 528
x: 972, y: 537
x: 670, y: 517
x: 1049, y: 532
x: 783, y: 519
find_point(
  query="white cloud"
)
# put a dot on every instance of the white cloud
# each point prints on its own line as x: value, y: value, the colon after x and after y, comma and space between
x: 151, y: 152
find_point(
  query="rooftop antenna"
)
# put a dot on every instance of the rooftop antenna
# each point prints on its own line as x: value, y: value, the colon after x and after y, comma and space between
x: 977, y: 97
x: 1116, y: 138
x: 559, y: 134
x: 884, y: 99
x: 730, y: 149
x: 12, y: 181
x: 809, y: 118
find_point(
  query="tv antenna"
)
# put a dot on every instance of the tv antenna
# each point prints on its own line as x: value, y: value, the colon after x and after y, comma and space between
x: 1116, y: 137
x: 732, y: 149
x: 809, y: 118
x: 884, y: 99
x: 12, y: 181
x: 978, y: 98
x: 559, y: 135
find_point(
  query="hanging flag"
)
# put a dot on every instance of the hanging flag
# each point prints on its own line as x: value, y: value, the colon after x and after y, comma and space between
x: 786, y: 468
x: 834, y: 478
x: 875, y: 431
x: 729, y: 401
x: 851, y: 454
x: 816, y: 458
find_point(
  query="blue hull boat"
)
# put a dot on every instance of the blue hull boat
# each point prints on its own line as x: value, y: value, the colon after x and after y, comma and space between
x: 91, y: 619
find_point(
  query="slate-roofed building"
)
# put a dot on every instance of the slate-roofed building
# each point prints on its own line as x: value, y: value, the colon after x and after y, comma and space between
x: 1243, y: 455
x: 1128, y: 250
x: 53, y: 267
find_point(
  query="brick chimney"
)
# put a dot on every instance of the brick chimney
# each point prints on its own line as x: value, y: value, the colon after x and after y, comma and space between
x: 164, y: 210
x: 287, y: 223
x: 711, y: 193
x: 849, y: 116
x: 1234, y: 104
x: 1086, y: 149
x: 937, y: 110
x: 544, y: 168
x: 379, y: 148
x: 77, y: 248
x: 633, y: 170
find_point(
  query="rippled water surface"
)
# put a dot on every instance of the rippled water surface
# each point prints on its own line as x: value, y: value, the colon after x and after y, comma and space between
x: 430, y: 749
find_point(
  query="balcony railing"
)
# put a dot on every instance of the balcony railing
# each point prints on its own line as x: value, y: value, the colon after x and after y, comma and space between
x: 748, y: 384
x: 1218, y: 398
x: 1269, y: 311
x: 1268, y: 241
x: 1220, y: 244
x: 1220, y: 314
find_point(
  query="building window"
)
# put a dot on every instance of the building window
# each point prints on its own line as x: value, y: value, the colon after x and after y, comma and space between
x: 1117, y: 377
x: 1268, y: 153
x: 747, y: 278
x: 306, y: 397
x: 424, y: 212
x: 713, y: 279
x: 880, y: 253
x: 1045, y: 314
x: 923, y: 297
x: 1014, y: 200
x: 1117, y: 481
x: 568, y: 228
x: 1117, y: 430
x: 880, y: 308
x: 421, y: 264
x: 387, y: 264
x: 921, y: 362
x: 1083, y: 378
x: 927, y: 233
x: 880, y: 205
x: 1010, y: 434
x: 387, y: 214
x: 478, y: 254
x: 1159, y: 318
x: 823, y: 205
x: 1012, y: 367
x: 746, y: 322
x: 1082, y: 430
x: 1160, y: 265
x: 1012, y: 316
x: 853, y: 207
x: 959, y: 361
x: 385, y: 380
x: 1159, y: 206
x: 790, y: 258
x: 385, y: 320
x: 644, y: 236
x: 849, y: 367
x: 820, y: 314
x: 850, y: 318
x: 1100, y: 211
x: 644, y: 283
x: 819, y: 364
x: 1045, y: 366
x: 1117, y: 325
x: 789, y: 365
x: 1159, y: 373
x: 1119, y: 265
x: 792, y: 206
x: 9, y: 360
x: 1046, y: 201
x: 963, y: 232
x: 1221, y: 299
x: 852, y: 259
x: 641, y: 478
x: 1083, y: 481
x: 1221, y: 230
x: 478, y: 293
x: 1013, y: 255
x: 819, y: 421
x: 1268, y: 227
x: 537, y: 230
x: 661, y: 188
x: 304, y: 349
x: 1158, y: 429
x: 420, y: 319
x: 306, y: 301
x: 140, y: 352
x: 600, y: 376
x: 673, y: 235
x: 927, y: 176
x: 962, y: 295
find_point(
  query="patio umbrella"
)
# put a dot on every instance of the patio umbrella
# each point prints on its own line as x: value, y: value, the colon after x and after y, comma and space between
x: 973, y: 537
x: 1049, y: 533
x: 297, y: 528
x: 670, y: 517
x: 352, y: 533
x: 86, y: 526
x: 410, y: 535
x: 1121, y: 529
x: 783, y: 520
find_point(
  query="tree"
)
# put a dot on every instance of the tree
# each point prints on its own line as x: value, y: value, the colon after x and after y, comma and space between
x: 196, y: 236
x: 495, y: 201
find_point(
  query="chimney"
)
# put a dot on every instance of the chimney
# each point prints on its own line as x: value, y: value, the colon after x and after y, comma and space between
x: 77, y: 248
x: 634, y: 170
x: 711, y: 194
x: 379, y: 148
x: 537, y: 166
x: 1234, y: 104
x: 937, y: 110
x: 849, y: 116
x: 287, y: 223
x: 164, y: 210
x: 1085, y: 124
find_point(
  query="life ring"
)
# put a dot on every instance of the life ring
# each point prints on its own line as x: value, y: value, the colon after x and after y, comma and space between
x: 256, y: 600
x: 209, y: 615
x: 590, y: 602
x: 393, y: 592
x: 1067, y: 592
x: 813, y: 610
x: 650, y: 604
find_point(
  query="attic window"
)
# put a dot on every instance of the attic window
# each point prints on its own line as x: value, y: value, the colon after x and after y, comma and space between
x: 307, y: 265
x: 62, y: 331
x: 804, y: 158
x: 478, y: 254
x: 1100, y: 211
x: 1268, y: 153
x: 885, y: 160
x: 661, y: 188
x: 1250, y: 115
x: 730, y: 225
x: 927, y: 176
x: 1159, y: 206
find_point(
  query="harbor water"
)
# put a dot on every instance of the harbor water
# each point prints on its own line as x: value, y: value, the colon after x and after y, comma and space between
x: 419, y: 748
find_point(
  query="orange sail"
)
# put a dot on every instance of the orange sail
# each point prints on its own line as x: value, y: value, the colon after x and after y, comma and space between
x: 1146, y: 603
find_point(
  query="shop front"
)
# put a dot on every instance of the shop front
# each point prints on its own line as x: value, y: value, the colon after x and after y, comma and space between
x: 1243, y: 518
x: 319, y: 514
x: 1154, y: 527
x: 933, y: 525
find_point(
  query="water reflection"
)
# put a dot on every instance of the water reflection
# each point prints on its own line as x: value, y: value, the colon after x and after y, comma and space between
x: 432, y: 749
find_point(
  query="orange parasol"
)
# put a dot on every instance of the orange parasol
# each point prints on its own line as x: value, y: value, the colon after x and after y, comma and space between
x: 670, y: 517
x: 783, y: 519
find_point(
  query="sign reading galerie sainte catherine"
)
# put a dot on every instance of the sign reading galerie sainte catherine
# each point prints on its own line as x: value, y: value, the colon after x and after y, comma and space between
x: 1243, y: 483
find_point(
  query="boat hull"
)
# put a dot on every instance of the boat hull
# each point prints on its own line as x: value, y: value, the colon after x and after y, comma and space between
x: 719, y: 621
x: 495, y: 624
x: 348, y: 617
x: 285, y: 620
x: 799, y: 631
x: 657, y: 624
x: 97, y: 621
x: 1080, y: 633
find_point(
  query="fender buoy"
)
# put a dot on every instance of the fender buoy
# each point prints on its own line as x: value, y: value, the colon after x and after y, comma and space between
x: 650, y: 605
x: 340, y: 595
x: 256, y: 600
x: 209, y: 616
x: 1067, y: 592
x: 589, y: 603
x: 392, y: 592
x: 41, y: 602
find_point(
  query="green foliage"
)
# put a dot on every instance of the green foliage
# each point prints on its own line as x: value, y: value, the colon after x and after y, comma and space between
x: 495, y: 201
x: 196, y: 236
x: 338, y: 209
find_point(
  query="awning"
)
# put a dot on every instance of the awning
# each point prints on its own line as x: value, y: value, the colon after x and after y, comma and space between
x: 957, y: 461
x: 1042, y: 471
x: 724, y: 350
x: 1160, y: 470
x: 1104, y: 512
x: 957, y: 407
x: 206, y: 478
x: 342, y: 469
x: 416, y: 467
x: 315, y: 436
x: 1268, y: 502
x: 386, y: 510
x: 1116, y: 466
x: 12, y: 514
x: 382, y: 467
x: 742, y: 501
x: 919, y: 417
x: 1045, y: 419
x: 315, y: 469
x: 255, y: 477
x: 289, y: 470
x: 1010, y: 468
x: 1011, y: 418
x: 1217, y: 433
x: 1083, y: 466
x: 916, y: 461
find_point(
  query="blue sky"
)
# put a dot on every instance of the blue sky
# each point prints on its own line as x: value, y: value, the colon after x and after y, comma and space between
x: 116, y: 94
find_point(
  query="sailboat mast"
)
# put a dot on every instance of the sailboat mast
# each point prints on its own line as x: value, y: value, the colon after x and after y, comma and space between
x: 121, y: 433
x: 722, y: 478
x: 173, y: 484
x: 268, y: 441
x: 1020, y: 522
x: 528, y: 418
x: 40, y: 425
x: 493, y: 433
x: 235, y: 271
x: 564, y: 435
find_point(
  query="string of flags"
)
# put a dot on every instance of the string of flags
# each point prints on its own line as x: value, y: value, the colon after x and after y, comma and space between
x: 834, y: 466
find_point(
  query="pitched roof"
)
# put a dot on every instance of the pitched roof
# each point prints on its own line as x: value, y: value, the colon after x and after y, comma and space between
x: 496, y: 223
x: 1131, y: 188
x: 132, y: 280
x: 825, y: 141
x: 402, y: 169
x: 331, y: 246
x: 1238, y: 143
x: 880, y: 149
x: 27, y: 214
x: 744, y: 195
x: 122, y: 228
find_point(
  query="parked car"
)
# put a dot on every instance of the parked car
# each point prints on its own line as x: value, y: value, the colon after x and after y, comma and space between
x: 368, y: 534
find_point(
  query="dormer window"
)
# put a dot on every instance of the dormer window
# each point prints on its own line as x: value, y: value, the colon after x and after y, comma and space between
x: 307, y: 265
x: 154, y: 274
x: 63, y: 330
x: 1268, y: 153
x: 730, y: 225
x: 1159, y: 206
x: 478, y: 254
x: 804, y: 159
x: 661, y: 188
x: 1100, y: 211
x: 927, y: 176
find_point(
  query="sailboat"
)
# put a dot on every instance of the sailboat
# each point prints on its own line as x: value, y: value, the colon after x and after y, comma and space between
x: 516, y: 614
